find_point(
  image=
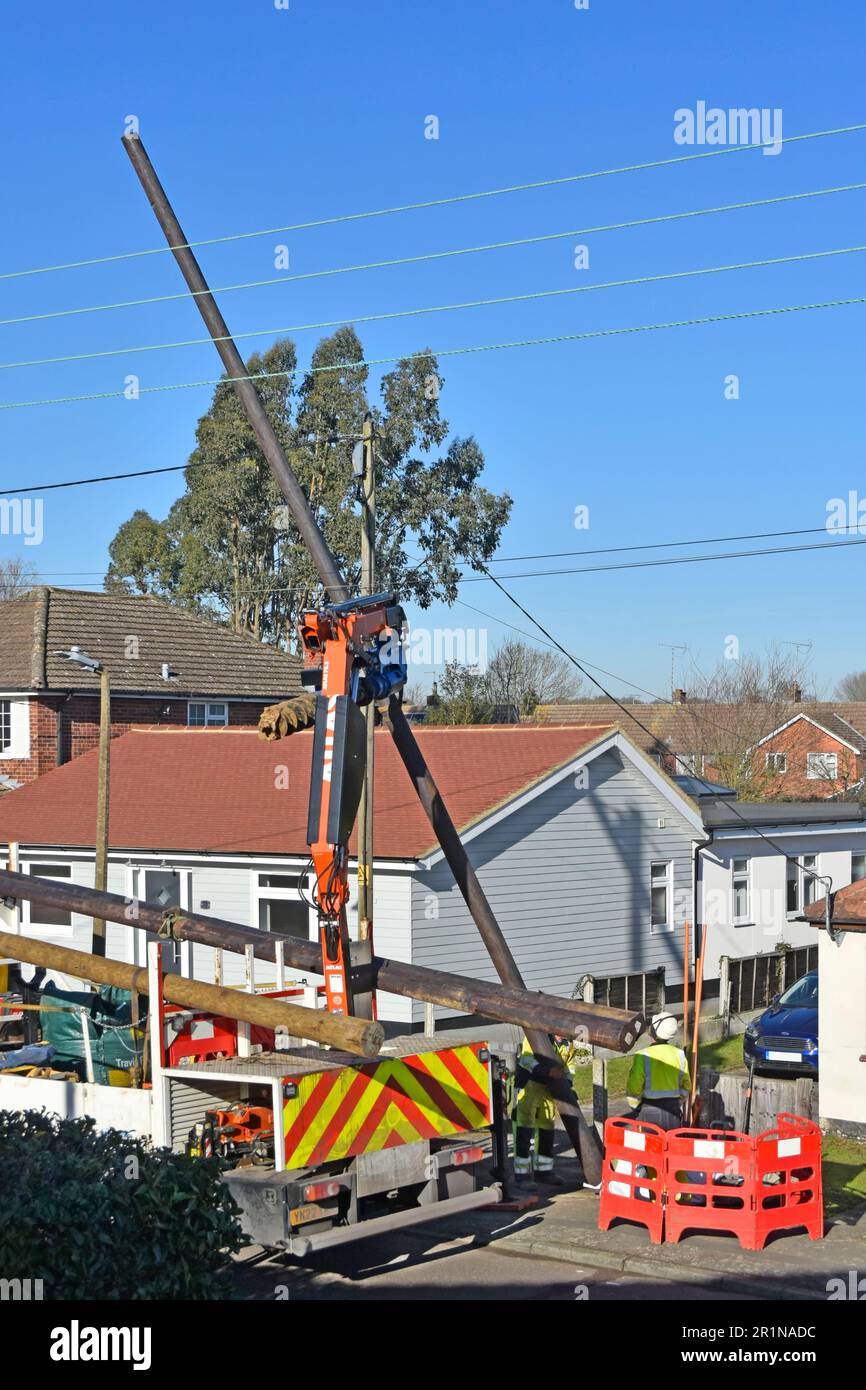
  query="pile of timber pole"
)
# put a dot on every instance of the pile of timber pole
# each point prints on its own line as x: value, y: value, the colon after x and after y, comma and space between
x: 616, y: 1029
x: 357, y: 1035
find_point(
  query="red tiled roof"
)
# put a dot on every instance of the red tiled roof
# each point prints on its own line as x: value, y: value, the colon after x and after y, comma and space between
x: 224, y: 790
x: 849, y: 908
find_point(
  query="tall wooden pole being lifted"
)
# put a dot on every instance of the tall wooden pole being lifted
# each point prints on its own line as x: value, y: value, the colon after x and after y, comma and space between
x: 368, y: 586
x: 356, y: 1035
x: 582, y: 1137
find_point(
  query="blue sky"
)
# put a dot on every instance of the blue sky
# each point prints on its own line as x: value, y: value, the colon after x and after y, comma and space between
x: 257, y: 117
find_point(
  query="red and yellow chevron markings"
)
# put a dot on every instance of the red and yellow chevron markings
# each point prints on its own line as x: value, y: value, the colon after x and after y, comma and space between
x: 397, y: 1100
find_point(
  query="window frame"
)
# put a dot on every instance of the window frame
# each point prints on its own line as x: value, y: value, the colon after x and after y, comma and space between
x: 65, y: 876
x: 207, y: 706
x: 826, y: 775
x: 656, y: 928
x: 807, y: 886
x: 260, y: 894
x: 17, y: 748
x: 738, y: 877
x: 776, y: 769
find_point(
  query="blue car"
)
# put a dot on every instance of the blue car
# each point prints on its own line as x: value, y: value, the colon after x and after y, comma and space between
x: 784, y: 1038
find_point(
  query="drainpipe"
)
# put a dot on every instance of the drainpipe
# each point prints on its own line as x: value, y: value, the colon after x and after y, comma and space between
x: 698, y: 850
x: 59, y: 750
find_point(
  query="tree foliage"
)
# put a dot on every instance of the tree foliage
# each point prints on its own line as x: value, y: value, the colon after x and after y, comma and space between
x: 517, y: 678
x: 228, y: 546
x: 16, y: 578
x: 852, y: 686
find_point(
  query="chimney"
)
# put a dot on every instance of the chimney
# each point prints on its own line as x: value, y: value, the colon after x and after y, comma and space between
x: 433, y: 697
x: 796, y: 694
x: 679, y: 696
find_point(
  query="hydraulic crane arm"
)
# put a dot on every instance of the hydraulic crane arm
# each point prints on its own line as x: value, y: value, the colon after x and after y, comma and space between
x: 353, y: 654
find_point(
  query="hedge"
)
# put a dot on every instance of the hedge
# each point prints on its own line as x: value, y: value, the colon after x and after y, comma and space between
x: 100, y: 1214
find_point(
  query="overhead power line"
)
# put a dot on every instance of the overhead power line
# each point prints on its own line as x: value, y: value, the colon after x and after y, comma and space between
x: 656, y: 545
x: 453, y: 352
x: 432, y: 202
x: 445, y: 308
x: 629, y: 712
x: 430, y: 256
x: 669, y: 560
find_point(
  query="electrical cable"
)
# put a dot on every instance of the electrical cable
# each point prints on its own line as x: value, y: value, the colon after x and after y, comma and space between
x: 440, y: 308
x: 673, y: 560
x: 434, y: 202
x: 449, y: 352
x: 821, y: 878
x: 423, y: 257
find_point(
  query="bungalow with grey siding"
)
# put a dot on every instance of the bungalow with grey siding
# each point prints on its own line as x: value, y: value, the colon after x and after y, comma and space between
x: 585, y: 848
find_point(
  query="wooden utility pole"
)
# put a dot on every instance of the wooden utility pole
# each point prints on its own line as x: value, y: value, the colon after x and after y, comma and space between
x: 101, y: 871
x: 358, y: 1035
x: 368, y: 582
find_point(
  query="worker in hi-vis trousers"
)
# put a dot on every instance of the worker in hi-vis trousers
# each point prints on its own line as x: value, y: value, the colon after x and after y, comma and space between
x: 534, y: 1114
x: 659, y: 1081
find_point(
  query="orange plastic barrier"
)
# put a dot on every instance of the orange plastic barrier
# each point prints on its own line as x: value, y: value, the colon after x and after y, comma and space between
x: 713, y: 1180
x: 710, y: 1183
x: 788, y: 1188
x: 633, y: 1176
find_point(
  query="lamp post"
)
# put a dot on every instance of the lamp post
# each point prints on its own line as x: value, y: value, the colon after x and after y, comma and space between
x: 89, y: 663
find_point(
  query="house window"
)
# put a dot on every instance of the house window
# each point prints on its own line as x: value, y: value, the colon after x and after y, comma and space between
x: 858, y: 867
x: 281, y: 909
x: 740, y: 891
x: 661, y: 895
x: 41, y: 916
x: 821, y: 766
x: 777, y: 762
x: 207, y: 714
x: 803, y: 887
x: 14, y: 729
x: 692, y: 764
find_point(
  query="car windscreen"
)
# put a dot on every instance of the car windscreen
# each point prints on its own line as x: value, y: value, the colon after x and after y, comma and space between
x: 802, y: 995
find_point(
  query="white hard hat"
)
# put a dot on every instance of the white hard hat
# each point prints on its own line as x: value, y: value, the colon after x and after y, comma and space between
x: 664, y: 1026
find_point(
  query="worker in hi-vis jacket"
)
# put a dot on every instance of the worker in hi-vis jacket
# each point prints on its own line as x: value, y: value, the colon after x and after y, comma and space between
x: 659, y: 1082
x: 534, y: 1112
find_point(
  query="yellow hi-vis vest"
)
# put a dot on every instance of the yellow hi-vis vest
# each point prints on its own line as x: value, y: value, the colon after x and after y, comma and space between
x: 659, y: 1072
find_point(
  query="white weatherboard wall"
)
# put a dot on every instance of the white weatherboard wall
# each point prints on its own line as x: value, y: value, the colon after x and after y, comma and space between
x: 769, y: 923
x: 842, y: 1006
x: 568, y: 878
x: 230, y: 890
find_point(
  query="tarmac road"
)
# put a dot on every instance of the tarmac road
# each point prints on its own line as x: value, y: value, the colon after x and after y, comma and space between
x: 410, y: 1265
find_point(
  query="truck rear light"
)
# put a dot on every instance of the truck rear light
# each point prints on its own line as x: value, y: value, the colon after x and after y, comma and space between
x: 315, y: 1191
x: 462, y: 1156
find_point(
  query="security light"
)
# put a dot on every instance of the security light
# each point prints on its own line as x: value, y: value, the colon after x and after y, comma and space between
x: 81, y: 659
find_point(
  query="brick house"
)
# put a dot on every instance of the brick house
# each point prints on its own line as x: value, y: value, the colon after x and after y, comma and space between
x: 167, y: 666
x: 704, y: 739
x: 815, y: 754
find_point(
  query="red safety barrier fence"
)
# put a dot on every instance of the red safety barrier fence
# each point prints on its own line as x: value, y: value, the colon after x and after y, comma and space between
x: 632, y: 1176
x: 713, y: 1180
x: 788, y: 1187
x: 710, y: 1183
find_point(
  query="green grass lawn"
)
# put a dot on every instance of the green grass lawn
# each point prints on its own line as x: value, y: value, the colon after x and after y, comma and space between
x: 844, y: 1169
